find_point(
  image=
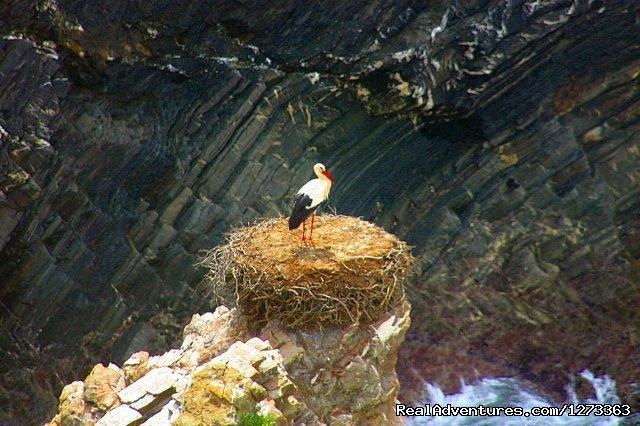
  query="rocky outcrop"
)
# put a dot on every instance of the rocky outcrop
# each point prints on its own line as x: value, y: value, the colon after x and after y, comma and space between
x: 343, y: 376
x: 500, y: 139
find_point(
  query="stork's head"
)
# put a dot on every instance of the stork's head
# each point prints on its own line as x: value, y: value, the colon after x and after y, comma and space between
x: 321, y: 171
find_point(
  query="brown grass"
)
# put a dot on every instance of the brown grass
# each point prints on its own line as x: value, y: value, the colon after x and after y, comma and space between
x: 354, y: 271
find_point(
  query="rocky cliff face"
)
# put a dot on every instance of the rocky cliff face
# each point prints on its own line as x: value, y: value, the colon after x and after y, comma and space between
x: 498, y: 138
x: 344, y: 376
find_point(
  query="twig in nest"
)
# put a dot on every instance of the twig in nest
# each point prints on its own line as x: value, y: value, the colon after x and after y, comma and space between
x: 256, y: 261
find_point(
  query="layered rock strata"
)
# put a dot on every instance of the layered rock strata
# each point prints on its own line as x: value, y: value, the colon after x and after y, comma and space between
x: 500, y: 139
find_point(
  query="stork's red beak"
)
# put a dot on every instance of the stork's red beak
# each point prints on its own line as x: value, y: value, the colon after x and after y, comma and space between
x: 328, y: 174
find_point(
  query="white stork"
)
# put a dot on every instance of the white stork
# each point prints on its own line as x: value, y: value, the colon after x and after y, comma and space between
x: 309, y: 198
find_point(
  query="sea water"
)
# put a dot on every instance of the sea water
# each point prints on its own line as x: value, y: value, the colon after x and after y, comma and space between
x: 508, y: 392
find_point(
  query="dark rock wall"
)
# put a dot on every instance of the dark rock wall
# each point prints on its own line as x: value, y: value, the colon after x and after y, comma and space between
x: 498, y: 138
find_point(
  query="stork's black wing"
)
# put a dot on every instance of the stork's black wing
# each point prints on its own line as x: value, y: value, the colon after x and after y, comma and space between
x: 301, y: 210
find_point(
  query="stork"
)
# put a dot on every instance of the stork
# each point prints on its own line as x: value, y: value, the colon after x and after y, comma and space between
x: 309, y: 198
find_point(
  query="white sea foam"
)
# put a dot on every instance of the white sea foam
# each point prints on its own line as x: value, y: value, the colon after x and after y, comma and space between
x: 508, y: 392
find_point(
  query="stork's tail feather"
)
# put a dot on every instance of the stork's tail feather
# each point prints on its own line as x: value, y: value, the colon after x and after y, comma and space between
x: 297, y: 217
x: 300, y: 211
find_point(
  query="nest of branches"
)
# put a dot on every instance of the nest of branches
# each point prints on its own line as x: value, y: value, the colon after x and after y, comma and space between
x: 353, y: 272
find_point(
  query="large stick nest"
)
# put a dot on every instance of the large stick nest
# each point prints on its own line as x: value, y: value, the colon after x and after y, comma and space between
x: 353, y: 272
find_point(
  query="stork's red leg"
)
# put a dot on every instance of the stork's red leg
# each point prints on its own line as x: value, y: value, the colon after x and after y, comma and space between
x: 304, y: 229
x: 313, y: 216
